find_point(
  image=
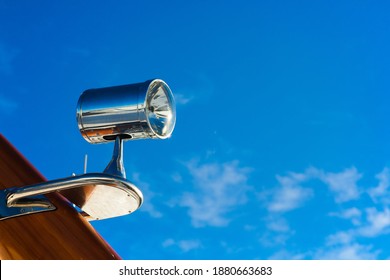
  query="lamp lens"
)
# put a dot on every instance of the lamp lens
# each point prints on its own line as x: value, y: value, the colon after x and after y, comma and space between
x: 161, y: 110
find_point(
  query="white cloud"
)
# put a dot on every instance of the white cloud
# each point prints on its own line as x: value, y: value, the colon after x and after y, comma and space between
x: 278, y: 233
x: 286, y: 255
x: 289, y: 194
x: 378, y: 223
x: 342, y: 237
x: 343, y: 184
x: 188, y: 245
x: 374, y: 224
x: 183, y: 245
x: 168, y: 242
x: 381, y: 192
x: 346, y: 252
x: 366, y: 222
x: 277, y: 224
x: 181, y: 99
x: 353, y: 214
x: 289, y: 198
x: 274, y: 239
x: 342, y: 245
x: 219, y: 189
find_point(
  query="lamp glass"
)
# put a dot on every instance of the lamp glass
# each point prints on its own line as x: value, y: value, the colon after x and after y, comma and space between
x: 160, y: 109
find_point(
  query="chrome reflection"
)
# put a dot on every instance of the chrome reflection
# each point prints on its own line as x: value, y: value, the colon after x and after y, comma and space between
x: 98, y: 195
x: 135, y: 111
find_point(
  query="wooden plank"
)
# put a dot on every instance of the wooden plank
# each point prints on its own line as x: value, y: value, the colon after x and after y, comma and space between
x: 60, y: 234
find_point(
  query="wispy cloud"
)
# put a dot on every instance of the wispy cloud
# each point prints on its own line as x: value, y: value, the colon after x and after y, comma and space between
x: 353, y: 214
x: 372, y: 224
x: 341, y: 237
x: 184, y: 245
x: 293, y: 191
x: 277, y: 224
x: 343, y: 244
x: 343, y: 184
x: 338, y: 246
x: 278, y: 231
x: 286, y: 255
x: 182, y: 99
x: 378, y: 222
x: 218, y: 189
x: 380, y: 193
x: 290, y: 194
x: 366, y: 222
x: 353, y: 251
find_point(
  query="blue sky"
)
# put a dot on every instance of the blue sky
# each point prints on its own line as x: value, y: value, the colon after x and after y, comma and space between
x: 281, y: 146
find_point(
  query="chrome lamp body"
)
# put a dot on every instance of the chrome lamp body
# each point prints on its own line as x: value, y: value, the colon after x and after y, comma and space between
x: 136, y: 111
x: 111, y: 114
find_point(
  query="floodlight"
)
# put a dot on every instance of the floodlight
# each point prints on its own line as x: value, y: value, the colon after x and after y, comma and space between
x: 135, y: 111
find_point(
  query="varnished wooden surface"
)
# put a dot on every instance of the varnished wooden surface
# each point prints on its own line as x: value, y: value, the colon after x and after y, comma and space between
x: 60, y: 234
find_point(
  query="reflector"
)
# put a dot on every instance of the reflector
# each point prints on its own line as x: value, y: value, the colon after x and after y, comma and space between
x: 160, y: 110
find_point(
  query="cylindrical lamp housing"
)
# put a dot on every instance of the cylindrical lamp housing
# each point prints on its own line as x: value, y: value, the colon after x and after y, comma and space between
x: 135, y: 111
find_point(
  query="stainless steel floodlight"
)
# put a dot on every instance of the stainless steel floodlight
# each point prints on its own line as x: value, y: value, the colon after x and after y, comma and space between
x: 136, y: 111
x: 128, y: 112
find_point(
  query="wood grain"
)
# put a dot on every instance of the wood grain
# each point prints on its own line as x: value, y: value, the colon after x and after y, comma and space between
x: 62, y: 234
